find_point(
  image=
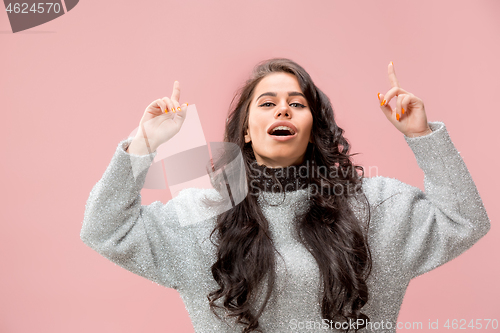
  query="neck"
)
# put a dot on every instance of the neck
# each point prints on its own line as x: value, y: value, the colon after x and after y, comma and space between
x: 279, y: 163
x: 280, y: 179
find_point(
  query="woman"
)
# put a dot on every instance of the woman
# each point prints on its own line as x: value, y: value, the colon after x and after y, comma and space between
x: 331, y: 250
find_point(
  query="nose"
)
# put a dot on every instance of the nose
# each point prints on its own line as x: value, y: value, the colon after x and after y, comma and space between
x: 283, y: 111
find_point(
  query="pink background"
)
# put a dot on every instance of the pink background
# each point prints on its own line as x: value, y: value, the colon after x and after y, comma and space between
x: 72, y: 88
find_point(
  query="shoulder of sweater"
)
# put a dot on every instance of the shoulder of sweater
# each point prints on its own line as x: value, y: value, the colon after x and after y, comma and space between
x: 380, y: 188
x: 194, y: 193
x: 192, y: 208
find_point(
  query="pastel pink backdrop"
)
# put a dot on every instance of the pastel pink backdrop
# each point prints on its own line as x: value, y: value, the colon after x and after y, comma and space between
x: 72, y: 88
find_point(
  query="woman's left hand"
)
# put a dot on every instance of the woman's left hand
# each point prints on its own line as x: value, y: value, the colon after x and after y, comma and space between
x: 409, y: 115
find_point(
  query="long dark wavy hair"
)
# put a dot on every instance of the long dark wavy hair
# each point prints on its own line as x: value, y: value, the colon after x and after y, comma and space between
x: 329, y: 230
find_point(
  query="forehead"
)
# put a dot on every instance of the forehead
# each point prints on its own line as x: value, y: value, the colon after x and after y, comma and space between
x: 277, y: 82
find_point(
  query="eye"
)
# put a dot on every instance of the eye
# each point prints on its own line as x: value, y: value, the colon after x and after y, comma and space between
x: 265, y: 104
x: 268, y: 104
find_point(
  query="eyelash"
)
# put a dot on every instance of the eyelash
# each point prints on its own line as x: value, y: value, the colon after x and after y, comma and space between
x: 302, y: 106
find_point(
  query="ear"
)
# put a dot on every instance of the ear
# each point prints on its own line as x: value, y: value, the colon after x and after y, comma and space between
x: 247, y: 137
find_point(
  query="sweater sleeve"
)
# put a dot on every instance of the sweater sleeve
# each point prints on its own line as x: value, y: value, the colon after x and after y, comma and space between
x: 145, y: 240
x: 425, y: 230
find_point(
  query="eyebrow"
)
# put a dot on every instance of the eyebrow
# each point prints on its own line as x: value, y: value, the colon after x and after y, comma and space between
x: 290, y: 93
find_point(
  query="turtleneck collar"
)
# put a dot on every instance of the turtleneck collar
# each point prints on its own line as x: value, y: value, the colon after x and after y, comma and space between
x: 291, y: 178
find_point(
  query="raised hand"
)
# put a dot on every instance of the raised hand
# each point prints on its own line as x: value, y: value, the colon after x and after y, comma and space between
x: 162, y: 120
x: 409, y: 115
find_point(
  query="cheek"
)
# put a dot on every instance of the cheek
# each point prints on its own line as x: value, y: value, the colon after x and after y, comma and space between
x: 256, y: 128
x: 309, y: 125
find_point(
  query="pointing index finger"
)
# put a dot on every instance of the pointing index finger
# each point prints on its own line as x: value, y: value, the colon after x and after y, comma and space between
x: 392, y: 76
x: 176, y: 93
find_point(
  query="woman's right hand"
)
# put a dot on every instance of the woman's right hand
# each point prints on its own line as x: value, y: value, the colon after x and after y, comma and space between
x: 162, y: 120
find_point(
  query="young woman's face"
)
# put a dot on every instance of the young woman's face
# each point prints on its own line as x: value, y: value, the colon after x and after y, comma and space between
x: 278, y: 98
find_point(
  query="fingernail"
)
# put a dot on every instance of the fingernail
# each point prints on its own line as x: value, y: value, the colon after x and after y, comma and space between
x: 397, y: 116
x: 392, y: 63
x: 383, y: 102
x: 378, y: 95
x: 403, y: 110
x: 173, y: 110
x: 166, y: 110
x: 179, y: 108
x: 187, y: 104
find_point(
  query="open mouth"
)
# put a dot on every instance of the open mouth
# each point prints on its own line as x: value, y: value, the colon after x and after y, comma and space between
x: 282, y: 133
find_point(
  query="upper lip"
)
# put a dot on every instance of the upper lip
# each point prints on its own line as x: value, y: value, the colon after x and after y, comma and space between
x: 282, y: 123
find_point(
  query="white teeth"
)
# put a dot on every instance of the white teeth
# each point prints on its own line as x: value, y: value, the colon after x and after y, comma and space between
x: 283, y: 128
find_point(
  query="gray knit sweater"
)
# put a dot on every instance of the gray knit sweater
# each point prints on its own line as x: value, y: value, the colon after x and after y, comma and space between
x: 410, y: 233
